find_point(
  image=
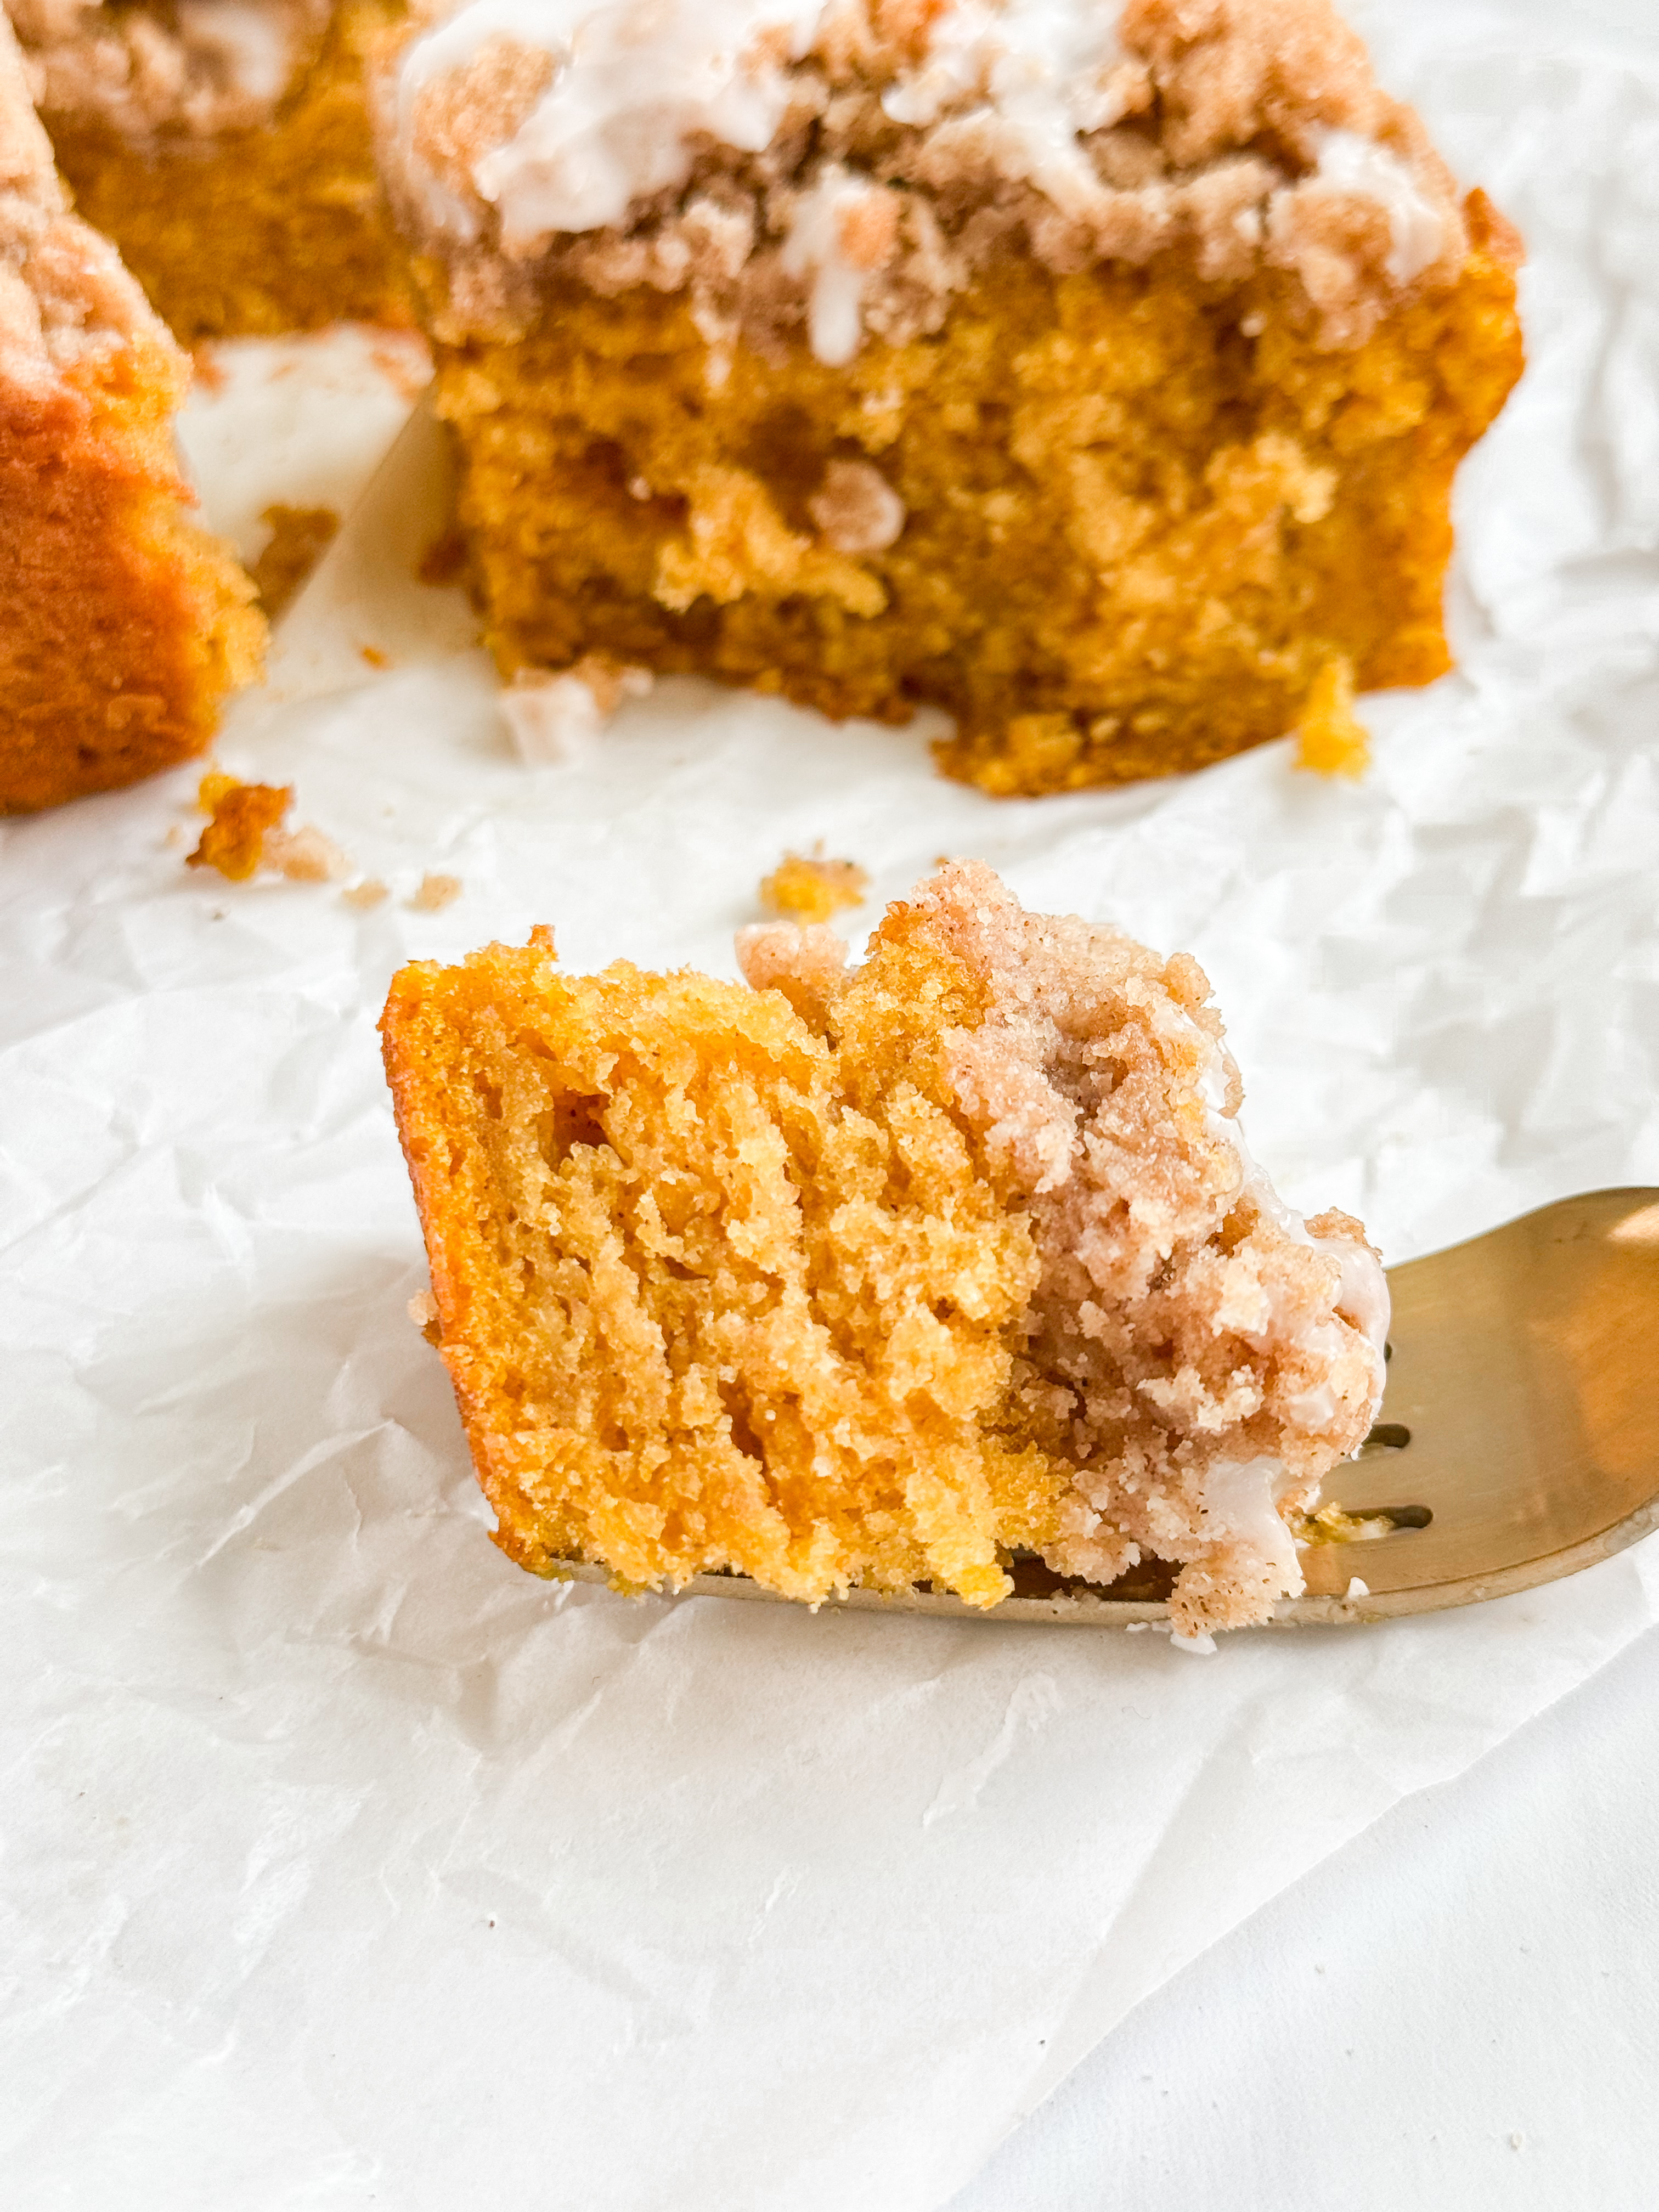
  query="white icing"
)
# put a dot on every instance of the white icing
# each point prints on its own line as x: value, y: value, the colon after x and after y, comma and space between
x: 636, y: 82
x: 1040, y: 70
x: 835, y: 315
x: 1241, y: 1500
x: 251, y: 41
x: 1349, y: 163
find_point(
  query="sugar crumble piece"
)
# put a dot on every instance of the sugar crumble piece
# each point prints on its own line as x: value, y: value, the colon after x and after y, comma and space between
x: 805, y: 888
x: 856, y: 509
x: 435, y: 893
x: 300, y: 536
x: 243, y: 814
x: 1357, y: 1588
x: 554, y: 719
x: 305, y: 856
x: 368, y: 893
x: 1330, y: 738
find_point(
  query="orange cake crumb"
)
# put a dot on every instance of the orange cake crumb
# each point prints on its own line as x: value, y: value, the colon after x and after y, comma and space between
x: 300, y: 536
x: 233, y: 841
x: 1330, y: 738
x: 434, y: 893
x: 804, y: 887
x: 877, y: 1277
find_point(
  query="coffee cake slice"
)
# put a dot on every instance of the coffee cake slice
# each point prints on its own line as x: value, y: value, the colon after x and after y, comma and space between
x: 1096, y: 370
x: 882, y: 1276
x: 123, y: 624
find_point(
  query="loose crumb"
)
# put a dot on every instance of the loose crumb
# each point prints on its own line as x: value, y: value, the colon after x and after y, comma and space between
x: 444, y: 561
x: 300, y: 536
x: 805, y: 888
x: 305, y: 856
x: 553, y: 720
x: 370, y: 892
x: 435, y: 893
x: 245, y: 834
x: 1331, y: 1525
x: 243, y: 815
x: 1330, y: 738
x: 1357, y: 1588
x: 374, y: 656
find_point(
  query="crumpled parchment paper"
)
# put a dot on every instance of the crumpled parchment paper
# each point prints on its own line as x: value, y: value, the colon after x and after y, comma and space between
x: 345, y: 1864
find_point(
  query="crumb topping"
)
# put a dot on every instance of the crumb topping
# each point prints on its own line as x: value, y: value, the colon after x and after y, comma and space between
x: 193, y: 71
x: 1198, y: 1354
x: 64, y: 296
x: 850, y: 166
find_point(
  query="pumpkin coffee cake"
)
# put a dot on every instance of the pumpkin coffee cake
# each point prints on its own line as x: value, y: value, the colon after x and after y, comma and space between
x: 123, y: 624
x: 881, y: 1276
x: 1094, y: 369
x: 225, y: 146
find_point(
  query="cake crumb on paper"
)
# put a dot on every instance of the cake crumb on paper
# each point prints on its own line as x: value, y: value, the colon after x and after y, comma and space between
x: 1330, y: 738
x: 245, y: 834
x: 370, y: 892
x: 300, y: 536
x: 243, y: 814
x: 805, y: 887
x: 305, y: 856
x: 435, y: 893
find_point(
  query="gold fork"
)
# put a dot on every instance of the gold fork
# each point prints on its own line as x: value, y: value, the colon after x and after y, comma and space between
x: 1519, y: 1442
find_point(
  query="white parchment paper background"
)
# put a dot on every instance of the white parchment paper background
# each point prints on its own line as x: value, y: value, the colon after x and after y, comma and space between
x: 344, y: 1864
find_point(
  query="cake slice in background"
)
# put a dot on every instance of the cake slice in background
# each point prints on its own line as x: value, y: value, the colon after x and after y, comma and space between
x: 225, y: 146
x: 1095, y: 373
x: 123, y: 624
x: 877, y: 1277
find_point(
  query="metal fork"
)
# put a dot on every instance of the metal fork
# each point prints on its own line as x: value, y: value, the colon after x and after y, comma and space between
x: 1519, y: 1439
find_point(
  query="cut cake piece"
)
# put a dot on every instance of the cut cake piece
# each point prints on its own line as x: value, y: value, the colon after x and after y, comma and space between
x: 877, y: 1277
x: 1097, y: 373
x: 225, y: 146
x: 123, y: 624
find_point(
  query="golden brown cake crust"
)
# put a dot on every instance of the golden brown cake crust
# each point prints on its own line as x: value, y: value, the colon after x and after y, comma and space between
x: 122, y: 624
x: 876, y: 1276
